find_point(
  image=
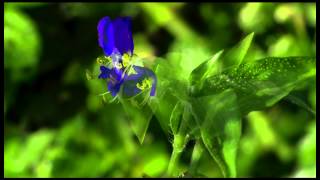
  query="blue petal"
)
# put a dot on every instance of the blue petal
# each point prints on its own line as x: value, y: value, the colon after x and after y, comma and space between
x: 140, y: 73
x: 115, y: 81
x: 123, y: 35
x: 154, y: 83
x: 114, y: 87
x: 106, y: 35
x: 130, y: 88
x: 151, y: 74
x: 105, y: 72
x: 116, y: 74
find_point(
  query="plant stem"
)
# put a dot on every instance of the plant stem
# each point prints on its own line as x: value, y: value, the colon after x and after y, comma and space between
x: 195, y: 158
x: 178, y: 146
x: 179, y: 142
x: 173, y: 164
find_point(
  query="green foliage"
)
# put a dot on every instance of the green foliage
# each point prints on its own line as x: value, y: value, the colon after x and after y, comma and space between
x: 216, y: 64
x: 176, y: 117
x: 26, y: 152
x: 21, y: 42
x: 261, y: 83
x: 220, y: 128
x: 254, y: 85
x: 206, y: 69
x: 139, y: 112
x: 307, y: 153
x: 235, y: 56
x: 222, y: 108
x: 248, y: 17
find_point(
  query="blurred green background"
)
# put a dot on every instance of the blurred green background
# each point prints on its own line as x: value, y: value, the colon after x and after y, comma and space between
x: 57, y: 126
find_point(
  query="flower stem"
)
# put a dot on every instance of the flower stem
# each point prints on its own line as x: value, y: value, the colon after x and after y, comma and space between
x: 173, y: 164
x: 178, y: 146
x: 179, y: 142
x: 195, y: 158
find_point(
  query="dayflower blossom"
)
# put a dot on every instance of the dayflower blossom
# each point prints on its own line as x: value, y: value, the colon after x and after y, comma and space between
x: 115, y: 38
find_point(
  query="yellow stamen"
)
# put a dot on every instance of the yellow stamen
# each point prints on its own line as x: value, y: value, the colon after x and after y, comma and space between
x: 125, y: 59
x: 103, y: 60
x: 145, y: 84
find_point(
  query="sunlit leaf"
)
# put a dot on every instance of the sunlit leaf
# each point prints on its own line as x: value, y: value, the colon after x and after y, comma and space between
x: 13, y: 165
x: 21, y: 40
x: 19, y: 155
x: 256, y: 17
x: 169, y: 90
x: 176, y: 117
x: 155, y: 159
x: 183, y: 62
x: 220, y: 128
x: 260, y: 124
x: 307, y: 154
x: 205, y: 69
x: 261, y: 83
x: 235, y: 56
x: 138, y: 113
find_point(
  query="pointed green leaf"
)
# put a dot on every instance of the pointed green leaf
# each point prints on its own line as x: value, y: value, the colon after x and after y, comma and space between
x: 220, y: 122
x: 261, y: 83
x: 169, y: 90
x: 176, y: 117
x: 138, y: 114
x: 205, y: 69
x: 219, y: 62
x: 299, y: 102
x: 235, y: 56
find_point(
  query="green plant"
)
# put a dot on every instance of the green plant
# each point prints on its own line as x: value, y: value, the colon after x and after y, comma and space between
x: 207, y: 103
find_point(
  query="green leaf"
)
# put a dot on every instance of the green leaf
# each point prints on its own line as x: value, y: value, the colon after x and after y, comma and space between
x: 219, y: 62
x: 299, y: 102
x: 236, y: 55
x: 154, y: 159
x: 219, y: 118
x: 205, y: 69
x: 169, y: 90
x: 176, y: 117
x: 139, y: 113
x: 262, y: 83
x: 162, y: 107
x: 12, y: 151
x: 307, y: 153
x: 181, y: 131
x: 182, y: 63
x: 37, y: 143
x: 23, y: 154
x: 21, y: 40
x: 261, y: 125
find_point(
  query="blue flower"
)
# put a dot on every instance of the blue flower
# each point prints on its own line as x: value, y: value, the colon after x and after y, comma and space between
x: 114, y: 77
x: 133, y: 83
x: 115, y: 38
x: 142, y: 79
